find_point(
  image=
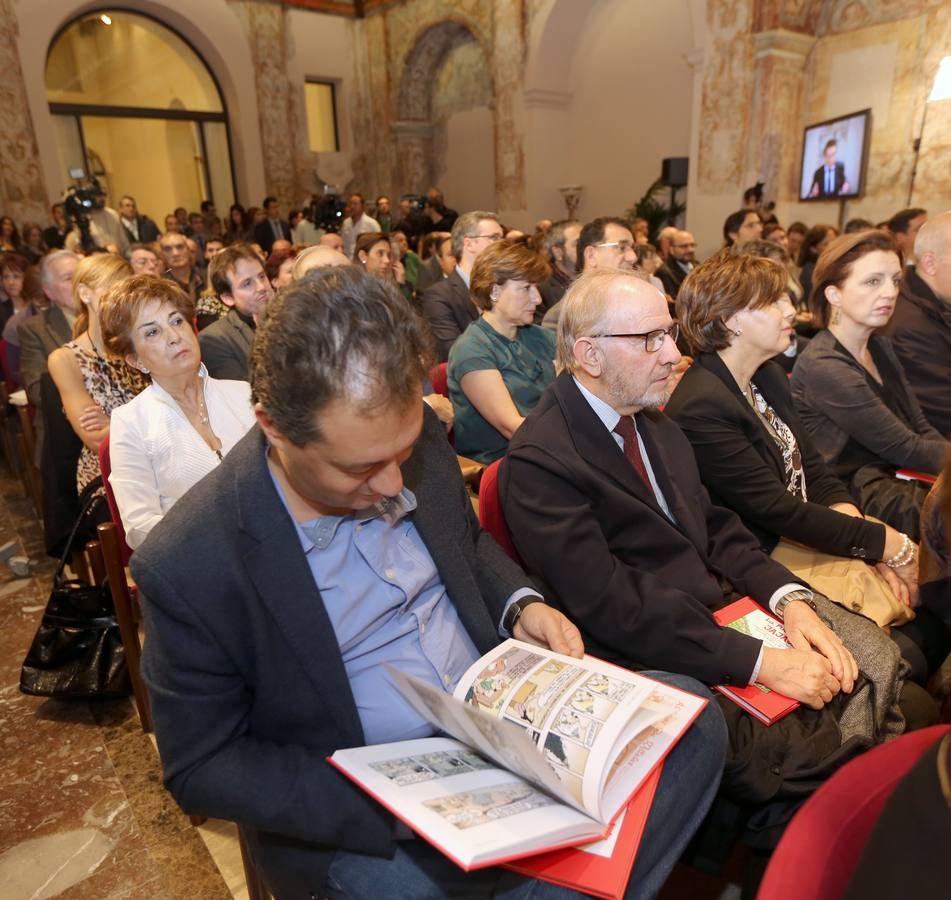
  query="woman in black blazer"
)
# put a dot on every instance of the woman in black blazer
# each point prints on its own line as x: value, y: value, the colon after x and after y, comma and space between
x: 753, y: 454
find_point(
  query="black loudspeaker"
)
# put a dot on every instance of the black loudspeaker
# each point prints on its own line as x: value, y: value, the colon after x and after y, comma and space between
x: 674, y: 171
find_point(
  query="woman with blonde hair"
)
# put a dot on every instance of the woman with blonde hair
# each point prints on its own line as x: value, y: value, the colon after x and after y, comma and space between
x: 91, y: 384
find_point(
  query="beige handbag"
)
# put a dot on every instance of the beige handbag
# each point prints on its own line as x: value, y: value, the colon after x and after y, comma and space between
x: 851, y: 583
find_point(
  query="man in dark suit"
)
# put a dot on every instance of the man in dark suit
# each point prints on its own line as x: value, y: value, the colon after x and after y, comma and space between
x: 40, y: 335
x: 239, y: 279
x: 140, y: 229
x: 920, y: 328
x: 603, y: 498
x: 447, y: 305
x: 273, y: 228
x: 335, y: 538
x: 680, y: 260
x: 829, y: 179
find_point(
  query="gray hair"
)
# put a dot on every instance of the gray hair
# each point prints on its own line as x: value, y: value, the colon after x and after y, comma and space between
x: 555, y: 236
x: 46, y: 273
x: 467, y: 225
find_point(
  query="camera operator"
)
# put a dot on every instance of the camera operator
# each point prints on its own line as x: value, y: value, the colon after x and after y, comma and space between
x: 94, y: 225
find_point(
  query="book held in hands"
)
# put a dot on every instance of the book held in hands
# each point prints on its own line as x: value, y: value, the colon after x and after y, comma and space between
x: 542, y: 752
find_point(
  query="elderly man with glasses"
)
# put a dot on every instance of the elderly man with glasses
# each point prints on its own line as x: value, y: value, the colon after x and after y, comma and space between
x: 604, y: 502
x: 447, y: 305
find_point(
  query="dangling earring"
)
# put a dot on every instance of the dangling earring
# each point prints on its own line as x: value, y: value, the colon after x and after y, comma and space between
x: 734, y: 331
x: 836, y: 316
x: 143, y: 370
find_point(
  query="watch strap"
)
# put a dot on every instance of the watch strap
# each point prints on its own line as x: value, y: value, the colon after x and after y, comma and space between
x: 515, y: 610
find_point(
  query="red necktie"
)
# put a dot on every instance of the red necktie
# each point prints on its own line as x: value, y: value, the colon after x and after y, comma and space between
x: 625, y: 427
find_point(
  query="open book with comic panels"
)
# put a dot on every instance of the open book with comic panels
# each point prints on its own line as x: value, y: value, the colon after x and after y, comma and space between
x: 543, y: 752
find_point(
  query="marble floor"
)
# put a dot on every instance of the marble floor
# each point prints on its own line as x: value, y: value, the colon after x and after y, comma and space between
x: 83, y: 813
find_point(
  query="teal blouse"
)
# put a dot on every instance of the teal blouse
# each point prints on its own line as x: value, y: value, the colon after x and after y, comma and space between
x: 527, y: 368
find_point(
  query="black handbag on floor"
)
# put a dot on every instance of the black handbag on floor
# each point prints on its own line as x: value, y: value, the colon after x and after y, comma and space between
x: 77, y: 652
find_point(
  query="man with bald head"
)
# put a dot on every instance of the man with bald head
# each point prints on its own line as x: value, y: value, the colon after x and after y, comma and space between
x: 604, y: 501
x: 920, y: 328
x: 332, y: 240
x: 316, y: 258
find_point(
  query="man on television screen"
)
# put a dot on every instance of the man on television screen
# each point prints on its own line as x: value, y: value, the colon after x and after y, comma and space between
x: 829, y: 178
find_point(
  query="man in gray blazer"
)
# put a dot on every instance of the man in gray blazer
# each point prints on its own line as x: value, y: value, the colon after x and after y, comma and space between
x: 238, y: 277
x: 40, y: 335
x: 335, y: 538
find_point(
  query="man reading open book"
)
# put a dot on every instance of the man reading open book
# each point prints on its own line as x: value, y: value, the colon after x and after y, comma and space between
x: 335, y: 538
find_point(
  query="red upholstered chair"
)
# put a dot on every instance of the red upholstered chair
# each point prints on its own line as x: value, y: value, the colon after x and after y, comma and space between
x: 105, y: 466
x: 819, y: 851
x: 490, y: 511
x: 440, y: 379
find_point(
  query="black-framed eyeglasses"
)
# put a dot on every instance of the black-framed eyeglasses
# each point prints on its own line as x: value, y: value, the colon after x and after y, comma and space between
x: 653, y: 340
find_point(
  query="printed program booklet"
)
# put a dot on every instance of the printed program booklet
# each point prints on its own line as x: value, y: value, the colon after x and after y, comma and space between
x: 544, y: 752
x: 747, y: 616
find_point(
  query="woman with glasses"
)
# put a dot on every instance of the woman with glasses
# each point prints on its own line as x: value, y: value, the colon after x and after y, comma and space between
x: 755, y: 456
x: 502, y: 362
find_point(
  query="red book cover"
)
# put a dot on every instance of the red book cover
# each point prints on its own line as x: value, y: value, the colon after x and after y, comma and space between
x: 601, y: 869
x: 748, y: 617
x: 912, y: 475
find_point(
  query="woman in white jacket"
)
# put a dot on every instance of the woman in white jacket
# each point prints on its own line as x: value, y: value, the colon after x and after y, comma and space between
x: 179, y: 428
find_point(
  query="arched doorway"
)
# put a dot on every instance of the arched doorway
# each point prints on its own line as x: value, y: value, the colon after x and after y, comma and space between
x: 133, y: 103
x: 445, y: 131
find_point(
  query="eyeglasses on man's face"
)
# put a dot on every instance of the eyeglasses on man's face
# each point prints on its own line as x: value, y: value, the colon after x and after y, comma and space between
x: 623, y: 246
x: 653, y: 340
x: 491, y: 238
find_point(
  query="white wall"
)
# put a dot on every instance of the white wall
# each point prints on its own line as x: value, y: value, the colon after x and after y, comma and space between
x: 468, y: 182
x: 609, y: 100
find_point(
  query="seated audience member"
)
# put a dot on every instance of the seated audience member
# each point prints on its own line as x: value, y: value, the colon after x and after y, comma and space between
x: 237, y: 228
x: 315, y: 258
x: 279, y: 266
x: 816, y: 240
x: 213, y: 246
x: 383, y: 214
x: 33, y: 246
x: 181, y: 426
x: 777, y: 234
x: 502, y: 362
x: 742, y: 226
x: 139, y: 229
x: 357, y: 223
x: 270, y: 227
x: 447, y: 305
x: 854, y: 225
x: 604, y: 243
x: 303, y: 231
x: 332, y: 240
x: 374, y: 254
x: 755, y: 457
x: 345, y: 459
x: 407, y: 257
x: 436, y: 215
x: 90, y: 382
x: 680, y: 260
x: 13, y: 267
x: 9, y: 235
x: 560, y: 246
x: 664, y: 237
x: 172, y: 225
x: 430, y: 269
x: 144, y: 260
x: 40, y: 335
x: 795, y: 235
x: 849, y: 387
x: 934, y: 562
x: 238, y: 278
x: 21, y: 283
x: 649, y: 262
x: 179, y: 263
x: 904, y: 227
x: 640, y: 228
x: 920, y: 329
x: 605, y: 504
x: 55, y: 235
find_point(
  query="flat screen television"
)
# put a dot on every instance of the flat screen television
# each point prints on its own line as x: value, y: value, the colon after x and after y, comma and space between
x: 834, y: 154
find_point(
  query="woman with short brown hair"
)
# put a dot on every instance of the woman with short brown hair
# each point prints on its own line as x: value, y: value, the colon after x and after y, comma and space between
x: 502, y: 362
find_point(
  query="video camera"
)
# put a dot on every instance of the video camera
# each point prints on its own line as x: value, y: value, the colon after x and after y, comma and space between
x: 79, y: 201
x: 326, y: 212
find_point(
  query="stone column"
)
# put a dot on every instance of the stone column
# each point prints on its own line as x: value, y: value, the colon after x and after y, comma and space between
x: 414, y: 140
x: 508, y: 63
x: 779, y: 75
x: 22, y: 191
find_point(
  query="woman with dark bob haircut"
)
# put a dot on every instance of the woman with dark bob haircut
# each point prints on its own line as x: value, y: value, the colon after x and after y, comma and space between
x: 181, y: 426
x: 755, y: 456
x: 849, y: 387
x: 501, y: 363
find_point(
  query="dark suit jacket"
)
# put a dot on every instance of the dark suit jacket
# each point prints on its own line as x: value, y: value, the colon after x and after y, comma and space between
x: 672, y: 276
x: 819, y: 178
x: 264, y: 233
x: 640, y: 588
x: 449, y: 309
x: 920, y: 331
x: 226, y: 347
x: 39, y: 336
x: 742, y: 467
x: 148, y: 231
x: 248, y: 687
